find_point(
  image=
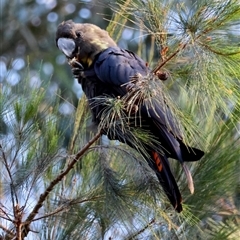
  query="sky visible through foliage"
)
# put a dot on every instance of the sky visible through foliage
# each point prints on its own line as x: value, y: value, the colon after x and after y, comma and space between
x: 203, y: 82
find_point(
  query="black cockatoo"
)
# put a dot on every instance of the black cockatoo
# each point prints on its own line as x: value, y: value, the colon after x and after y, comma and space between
x: 104, y: 69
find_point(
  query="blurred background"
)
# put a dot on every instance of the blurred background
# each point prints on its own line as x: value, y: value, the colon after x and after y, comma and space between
x: 28, y: 39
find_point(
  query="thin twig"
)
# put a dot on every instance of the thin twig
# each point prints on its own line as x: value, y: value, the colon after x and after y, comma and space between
x: 9, y: 232
x: 48, y: 190
x: 5, y: 213
x: 59, y: 209
x: 142, y: 230
x: 13, y: 192
x: 158, y: 67
x: 218, y: 52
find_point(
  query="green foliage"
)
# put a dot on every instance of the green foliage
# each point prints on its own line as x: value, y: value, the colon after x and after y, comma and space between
x: 30, y: 144
x: 110, y: 191
x: 223, y: 230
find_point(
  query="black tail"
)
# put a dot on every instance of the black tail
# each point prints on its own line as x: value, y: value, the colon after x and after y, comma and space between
x: 161, y: 167
x: 190, y: 154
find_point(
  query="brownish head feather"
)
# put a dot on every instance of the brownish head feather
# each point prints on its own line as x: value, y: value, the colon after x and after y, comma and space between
x: 89, y: 39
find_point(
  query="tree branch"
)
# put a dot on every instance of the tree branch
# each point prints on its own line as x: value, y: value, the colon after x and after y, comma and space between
x: 6, y: 214
x: 160, y: 65
x: 13, y: 192
x: 182, y: 46
x: 61, y: 208
x: 142, y: 230
x: 44, y: 195
x: 9, y: 233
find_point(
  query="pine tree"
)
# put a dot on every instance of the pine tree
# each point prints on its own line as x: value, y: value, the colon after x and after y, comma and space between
x: 61, y: 180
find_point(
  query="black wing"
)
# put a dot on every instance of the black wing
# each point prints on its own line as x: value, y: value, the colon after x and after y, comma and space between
x: 115, y: 67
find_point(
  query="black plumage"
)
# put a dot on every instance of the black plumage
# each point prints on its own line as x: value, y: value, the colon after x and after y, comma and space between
x: 104, y: 69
